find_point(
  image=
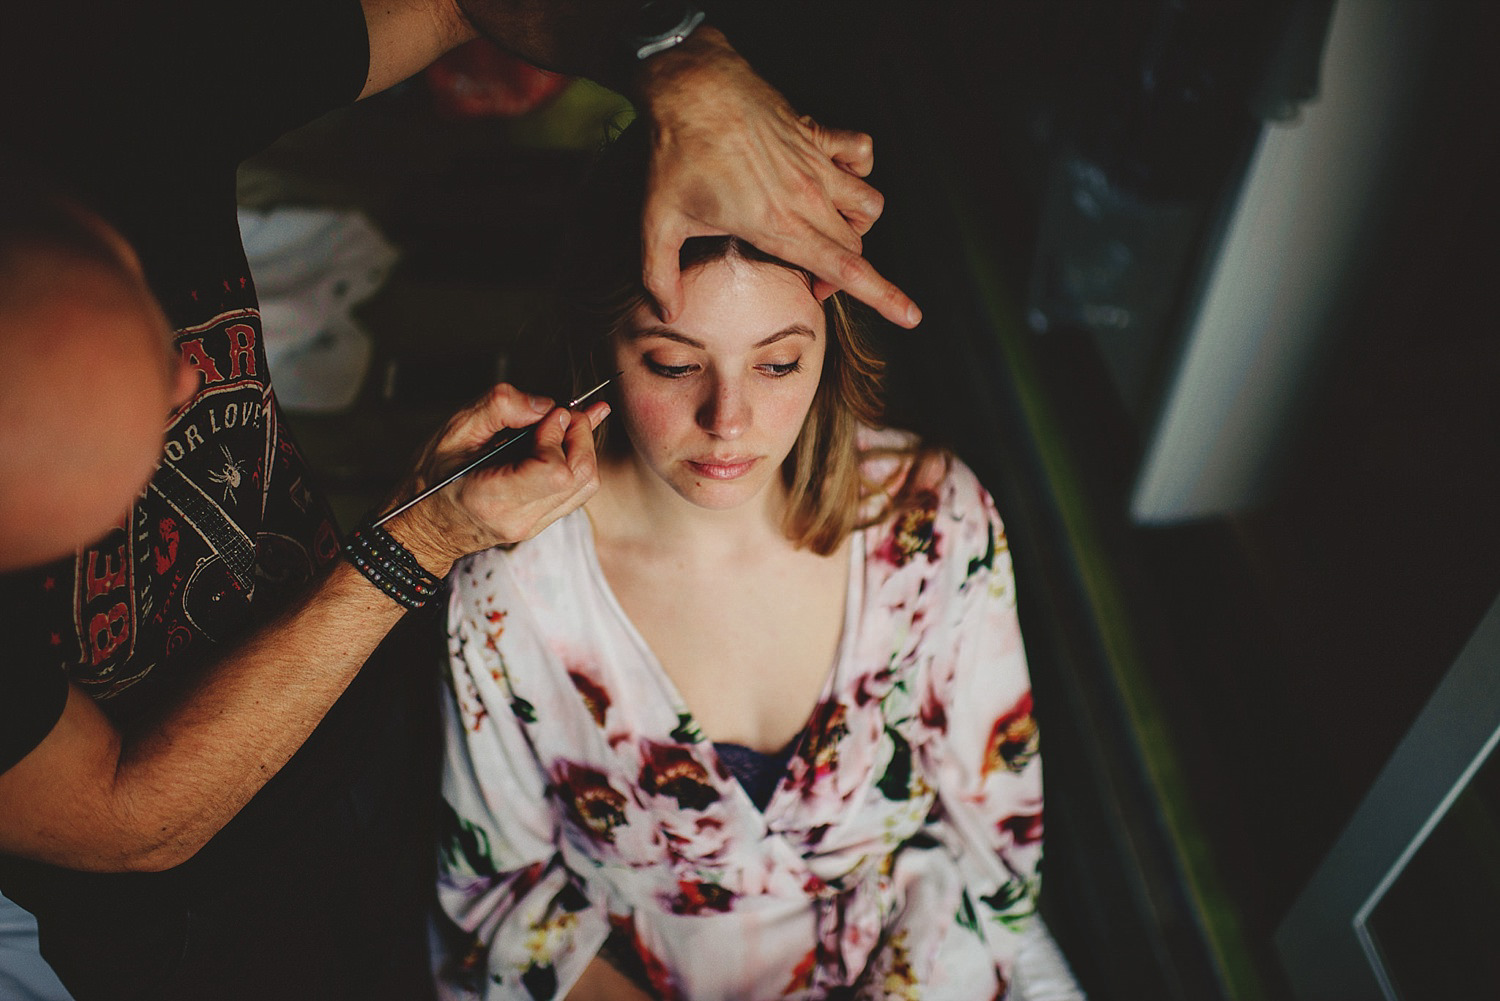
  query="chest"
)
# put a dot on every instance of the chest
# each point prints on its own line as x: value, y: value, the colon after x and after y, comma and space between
x: 748, y: 648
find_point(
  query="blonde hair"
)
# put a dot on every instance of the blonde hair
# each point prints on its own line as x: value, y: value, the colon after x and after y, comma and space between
x: 599, y: 288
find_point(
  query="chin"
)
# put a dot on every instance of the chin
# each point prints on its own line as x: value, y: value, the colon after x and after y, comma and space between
x: 718, y: 496
x: 721, y: 495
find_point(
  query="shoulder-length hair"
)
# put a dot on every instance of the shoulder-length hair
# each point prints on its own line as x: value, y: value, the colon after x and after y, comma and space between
x: 598, y: 288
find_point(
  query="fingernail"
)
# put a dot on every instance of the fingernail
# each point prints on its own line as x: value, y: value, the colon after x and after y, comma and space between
x: 913, y: 315
x: 539, y: 403
x: 604, y: 412
x: 565, y: 418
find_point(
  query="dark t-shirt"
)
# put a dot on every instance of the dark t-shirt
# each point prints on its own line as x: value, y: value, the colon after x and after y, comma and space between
x: 146, y: 110
x: 147, y: 114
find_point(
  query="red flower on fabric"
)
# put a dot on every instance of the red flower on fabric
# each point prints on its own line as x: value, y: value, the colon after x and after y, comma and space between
x: 1025, y: 828
x: 913, y: 533
x: 592, y: 802
x: 594, y: 695
x: 656, y: 971
x: 1014, y: 740
x: 802, y: 973
x: 672, y: 770
x: 525, y: 879
x: 825, y: 731
x: 698, y: 898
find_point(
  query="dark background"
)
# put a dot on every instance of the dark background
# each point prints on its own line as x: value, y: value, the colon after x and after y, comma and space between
x: 1216, y: 696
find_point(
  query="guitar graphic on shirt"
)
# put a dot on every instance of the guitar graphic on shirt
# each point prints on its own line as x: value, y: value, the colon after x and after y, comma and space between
x: 222, y: 583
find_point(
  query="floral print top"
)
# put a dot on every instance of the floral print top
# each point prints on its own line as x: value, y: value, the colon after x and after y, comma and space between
x: 897, y: 858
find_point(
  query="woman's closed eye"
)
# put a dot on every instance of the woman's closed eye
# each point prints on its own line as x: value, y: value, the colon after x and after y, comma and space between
x: 781, y: 369
x: 775, y: 370
x: 669, y: 371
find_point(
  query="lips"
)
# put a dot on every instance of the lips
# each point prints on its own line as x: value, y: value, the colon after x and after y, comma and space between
x: 722, y: 469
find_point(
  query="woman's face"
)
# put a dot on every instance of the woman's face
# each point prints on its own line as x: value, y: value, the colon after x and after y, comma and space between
x: 714, y: 401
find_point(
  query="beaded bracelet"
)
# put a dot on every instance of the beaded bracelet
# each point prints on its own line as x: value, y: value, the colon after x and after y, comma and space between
x: 390, y: 566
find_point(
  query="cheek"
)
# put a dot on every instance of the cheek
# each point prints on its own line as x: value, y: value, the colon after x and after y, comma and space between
x: 789, y: 413
x: 650, y: 416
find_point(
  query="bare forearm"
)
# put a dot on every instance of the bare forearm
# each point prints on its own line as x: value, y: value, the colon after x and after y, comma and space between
x: 187, y: 773
x: 91, y: 797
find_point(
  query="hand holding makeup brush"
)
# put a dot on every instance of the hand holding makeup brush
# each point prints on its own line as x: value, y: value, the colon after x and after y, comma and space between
x: 541, y: 478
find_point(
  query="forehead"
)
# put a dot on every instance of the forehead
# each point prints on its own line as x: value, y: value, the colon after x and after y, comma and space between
x: 734, y: 303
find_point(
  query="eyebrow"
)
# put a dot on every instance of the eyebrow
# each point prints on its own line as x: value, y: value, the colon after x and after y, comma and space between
x: 795, y: 330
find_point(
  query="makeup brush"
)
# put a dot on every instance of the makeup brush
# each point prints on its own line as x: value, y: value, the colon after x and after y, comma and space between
x: 489, y: 454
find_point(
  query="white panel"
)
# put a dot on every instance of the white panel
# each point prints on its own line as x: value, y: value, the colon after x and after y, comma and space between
x: 1272, y: 296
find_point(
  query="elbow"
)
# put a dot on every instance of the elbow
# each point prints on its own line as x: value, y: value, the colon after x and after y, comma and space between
x: 140, y: 842
x: 115, y: 851
x: 157, y: 857
x: 129, y: 852
x: 149, y: 842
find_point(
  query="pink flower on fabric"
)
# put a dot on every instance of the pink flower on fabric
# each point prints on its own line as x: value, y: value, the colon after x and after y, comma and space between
x: 1025, y: 828
x: 592, y: 803
x: 696, y: 897
x: 594, y: 695
x: 913, y: 534
x: 1014, y: 739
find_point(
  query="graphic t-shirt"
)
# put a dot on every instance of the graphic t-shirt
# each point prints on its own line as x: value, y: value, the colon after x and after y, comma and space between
x: 148, y: 121
x: 146, y: 110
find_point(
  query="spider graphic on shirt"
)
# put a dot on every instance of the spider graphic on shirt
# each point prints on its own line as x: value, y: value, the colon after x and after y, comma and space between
x: 231, y: 475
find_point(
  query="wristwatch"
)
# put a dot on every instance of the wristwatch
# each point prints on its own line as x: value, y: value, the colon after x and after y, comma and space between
x: 658, y: 25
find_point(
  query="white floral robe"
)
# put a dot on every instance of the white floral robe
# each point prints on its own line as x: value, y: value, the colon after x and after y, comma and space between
x: 897, y: 859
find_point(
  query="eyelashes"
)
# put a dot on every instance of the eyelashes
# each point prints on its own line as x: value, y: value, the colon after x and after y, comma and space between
x: 774, y: 370
x: 668, y: 371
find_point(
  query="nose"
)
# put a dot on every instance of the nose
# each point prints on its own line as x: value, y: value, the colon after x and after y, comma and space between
x: 726, y: 412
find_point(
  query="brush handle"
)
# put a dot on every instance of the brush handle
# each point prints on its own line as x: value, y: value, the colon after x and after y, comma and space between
x: 486, y: 456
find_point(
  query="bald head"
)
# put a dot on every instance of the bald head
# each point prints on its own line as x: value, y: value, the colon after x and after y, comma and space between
x: 87, y: 379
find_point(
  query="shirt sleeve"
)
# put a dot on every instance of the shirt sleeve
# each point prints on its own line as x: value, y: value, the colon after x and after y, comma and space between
x: 522, y: 924
x: 985, y: 758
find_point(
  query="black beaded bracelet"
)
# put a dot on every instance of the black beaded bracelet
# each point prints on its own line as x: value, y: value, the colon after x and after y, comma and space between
x: 390, y: 566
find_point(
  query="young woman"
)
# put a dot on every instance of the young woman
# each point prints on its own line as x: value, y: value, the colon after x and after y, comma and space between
x: 756, y: 722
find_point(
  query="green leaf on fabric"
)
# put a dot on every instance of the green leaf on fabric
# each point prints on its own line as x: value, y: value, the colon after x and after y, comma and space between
x: 895, y: 784
x: 464, y: 843
x: 988, y: 560
x: 525, y: 711
x: 966, y: 917
x: 1012, y: 903
x: 687, y: 731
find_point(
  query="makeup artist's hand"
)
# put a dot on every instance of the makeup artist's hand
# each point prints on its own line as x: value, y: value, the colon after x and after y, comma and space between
x: 535, y: 482
x: 729, y: 155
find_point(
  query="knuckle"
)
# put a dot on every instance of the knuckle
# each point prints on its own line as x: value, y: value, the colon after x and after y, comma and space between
x: 851, y: 268
x: 778, y: 225
x: 806, y: 187
x: 498, y: 395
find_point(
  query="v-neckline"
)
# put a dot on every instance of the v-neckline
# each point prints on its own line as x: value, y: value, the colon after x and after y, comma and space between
x: 686, y: 723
